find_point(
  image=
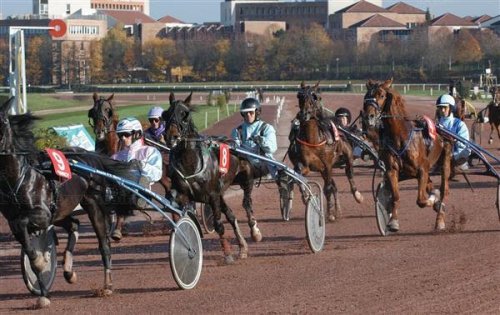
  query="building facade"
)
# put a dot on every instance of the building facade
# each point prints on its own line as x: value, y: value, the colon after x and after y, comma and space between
x: 63, y: 8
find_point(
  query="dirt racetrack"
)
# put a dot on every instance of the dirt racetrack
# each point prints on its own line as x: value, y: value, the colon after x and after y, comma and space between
x: 415, y: 271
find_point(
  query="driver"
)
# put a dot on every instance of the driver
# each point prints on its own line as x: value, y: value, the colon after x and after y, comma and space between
x: 129, y: 131
x: 445, y: 107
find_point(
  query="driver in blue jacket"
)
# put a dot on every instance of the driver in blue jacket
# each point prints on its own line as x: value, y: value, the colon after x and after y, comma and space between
x: 446, y: 106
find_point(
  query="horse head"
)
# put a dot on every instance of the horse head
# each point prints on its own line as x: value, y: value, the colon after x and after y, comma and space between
x: 5, y: 130
x: 308, y: 101
x: 376, y: 101
x: 102, y: 116
x: 178, y: 120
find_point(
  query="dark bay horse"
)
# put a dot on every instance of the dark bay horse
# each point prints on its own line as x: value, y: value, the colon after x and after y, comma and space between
x: 194, y: 170
x: 405, y: 150
x: 103, y: 118
x: 33, y: 201
x: 493, y: 109
x: 315, y: 148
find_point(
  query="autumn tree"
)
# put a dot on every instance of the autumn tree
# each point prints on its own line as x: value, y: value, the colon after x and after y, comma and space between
x: 4, y: 60
x: 115, y: 46
x: 33, y: 63
x: 156, y: 57
x: 467, y: 48
x: 94, y: 71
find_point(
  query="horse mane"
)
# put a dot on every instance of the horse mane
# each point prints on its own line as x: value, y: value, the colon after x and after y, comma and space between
x: 23, y: 138
x: 398, y: 106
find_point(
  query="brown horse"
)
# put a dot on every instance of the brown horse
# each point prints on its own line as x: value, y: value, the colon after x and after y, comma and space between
x: 404, y: 151
x: 493, y: 109
x: 103, y: 118
x: 315, y: 148
x: 454, y: 89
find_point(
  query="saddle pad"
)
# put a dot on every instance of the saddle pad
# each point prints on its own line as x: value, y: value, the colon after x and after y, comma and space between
x: 431, y: 127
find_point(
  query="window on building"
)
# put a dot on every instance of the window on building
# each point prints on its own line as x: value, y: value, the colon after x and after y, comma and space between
x: 68, y: 8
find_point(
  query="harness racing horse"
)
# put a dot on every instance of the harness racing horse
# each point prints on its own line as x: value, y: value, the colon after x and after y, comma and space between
x: 194, y: 170
x: 315, y: 148
x: 405, y: 151
x: 32, y: 201
x: 455, y: 90
x: 103, y: 118
x: 494, y: 113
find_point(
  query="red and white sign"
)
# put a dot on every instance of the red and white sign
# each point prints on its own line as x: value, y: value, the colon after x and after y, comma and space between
x: 224, y: 157
x: 60, y: 163
x: 59, y: 28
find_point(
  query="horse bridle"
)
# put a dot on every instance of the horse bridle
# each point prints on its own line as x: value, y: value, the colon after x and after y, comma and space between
x: 307, y: 95
x: 95, y: 114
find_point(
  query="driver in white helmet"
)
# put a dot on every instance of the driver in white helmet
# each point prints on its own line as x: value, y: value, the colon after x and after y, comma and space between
x: 157, y: 127
x: 445, y: 107
x: 129, y: 131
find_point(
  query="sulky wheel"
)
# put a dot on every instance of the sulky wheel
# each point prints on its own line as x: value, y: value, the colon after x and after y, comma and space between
x: 315, y: 221
x: 383, y: 208
x: 207, y: 218
x: 45, y: 245
x: 186, y: 254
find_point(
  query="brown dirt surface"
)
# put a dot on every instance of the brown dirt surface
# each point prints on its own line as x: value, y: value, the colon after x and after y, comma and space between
x: 415, y: 271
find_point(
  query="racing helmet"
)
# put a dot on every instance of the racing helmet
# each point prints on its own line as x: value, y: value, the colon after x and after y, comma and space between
x: 130, y: 125
x: 343, y: 112
x: 250, y: 104
x: 446, y: 100
x: 155, y: 112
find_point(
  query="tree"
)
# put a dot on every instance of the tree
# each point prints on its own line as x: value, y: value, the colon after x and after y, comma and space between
x: 33, y: 63
x: 467, y: 48
x: 156, y: 57
x: 115, y: 46
x: 4, y: 60
x: 95, y: 72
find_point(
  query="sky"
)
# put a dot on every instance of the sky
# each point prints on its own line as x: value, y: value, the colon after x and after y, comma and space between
x: 199, y: 11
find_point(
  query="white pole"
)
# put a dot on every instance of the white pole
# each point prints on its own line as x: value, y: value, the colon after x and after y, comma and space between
x: 206, y: 120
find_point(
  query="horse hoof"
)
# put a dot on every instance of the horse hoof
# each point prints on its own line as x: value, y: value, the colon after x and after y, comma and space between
x: 440, y: 226
x: 70, y: 276
x: 106, y: 292
x: 228, y: 260
x: 490, y: 141
x: 331, y: 218
x: 117, y: 235
x: 393, y: 226
x: 257, y: 236
x: 358, y: 197
x: 243, y: 255
x: 42, y: 302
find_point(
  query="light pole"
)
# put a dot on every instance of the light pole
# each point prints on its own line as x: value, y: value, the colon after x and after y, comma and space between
x: 423, y: 58
x: 337, y: 68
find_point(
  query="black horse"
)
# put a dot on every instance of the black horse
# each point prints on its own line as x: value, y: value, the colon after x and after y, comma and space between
x: 33, y: 201
x: 194, y: 169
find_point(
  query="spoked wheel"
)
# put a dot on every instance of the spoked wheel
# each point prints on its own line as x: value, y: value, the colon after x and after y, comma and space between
x: 286, y: 201
x: 45, y: 245
x: 383, y: 208
x: 186, y: 254
x: 207, y: 218
x: 315, y: 219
